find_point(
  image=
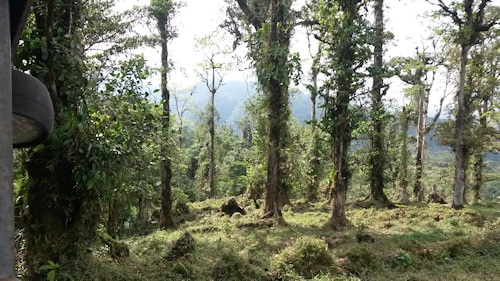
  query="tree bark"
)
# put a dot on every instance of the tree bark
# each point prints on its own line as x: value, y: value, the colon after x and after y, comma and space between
x: 62, y: 214
x: 274, y: 82
x: 166, y: 220
x: 418, y: 189
x: 479, y: 151
x: 211, y: 150
x: 404, y: 196
x: 461, y: 151
x: 377, y: 159
x: 314, y: 163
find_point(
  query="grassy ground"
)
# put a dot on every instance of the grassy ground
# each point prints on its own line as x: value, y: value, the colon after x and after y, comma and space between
x: 418, y: 242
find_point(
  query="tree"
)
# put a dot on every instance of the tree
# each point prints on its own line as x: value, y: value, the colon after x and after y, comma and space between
x: 272, y: 24
x: 211, y: 72
x: 404, y: 196
x: 120, y: 112
x: 377, y: 156
x: 63, y: 192
x: 342, y: 32
x: 469, y: 20
x: 482, y: 80
x: 314, y: 155
x: 420, y: 73
x: 163, y: 12
x: 181, y: 106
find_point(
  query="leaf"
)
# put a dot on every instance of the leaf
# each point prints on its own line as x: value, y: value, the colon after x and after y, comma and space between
x: 52, y: 275
x: 45, y: 267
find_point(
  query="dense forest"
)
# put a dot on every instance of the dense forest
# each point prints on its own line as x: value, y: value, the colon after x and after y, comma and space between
x: 309, y: 171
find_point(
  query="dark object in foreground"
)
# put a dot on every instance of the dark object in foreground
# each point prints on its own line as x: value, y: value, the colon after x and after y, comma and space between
x: 117, y: 249
x: 365, y: 238
x: 231, y: 206
x: 434, y: 197
x: 183, y: 246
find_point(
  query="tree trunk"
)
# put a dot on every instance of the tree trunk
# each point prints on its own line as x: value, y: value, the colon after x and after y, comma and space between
x: 276, y: 89
x: 404, y: 196
x: 377, y: 158
x: 312, y: 174
x: 112, y: 223
x: 478, y: 176
x: 211, y: 149
x: 418, y: 189
x: 62, y: 214
x: 461, y: 152
x: 479, y: 151
x: 141, y: 212
x: 166, y: 220
x: 340, y: 182
x: 273, y: 182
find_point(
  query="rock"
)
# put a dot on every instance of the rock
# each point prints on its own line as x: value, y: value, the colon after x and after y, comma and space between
x: 183, y: 246
x: 434, y: 197
x: 231, y: 206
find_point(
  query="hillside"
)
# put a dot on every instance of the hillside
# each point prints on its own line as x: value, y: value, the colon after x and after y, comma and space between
x: 419, y: 242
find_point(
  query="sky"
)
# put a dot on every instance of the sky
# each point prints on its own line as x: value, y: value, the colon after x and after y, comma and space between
x: 404, y: 18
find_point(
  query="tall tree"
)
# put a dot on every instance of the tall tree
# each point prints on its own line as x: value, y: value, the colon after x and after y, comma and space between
x: 272, y: 23
x: 420, y: 73
x: 163, y: 12
x: 314, y: 155
x: 469, y: 20
x: 377, y: 156
x: 482, y: 80
x: 403, y: 175
x: 211, y: 72
x: 64, y: 189
x: 342, y: 31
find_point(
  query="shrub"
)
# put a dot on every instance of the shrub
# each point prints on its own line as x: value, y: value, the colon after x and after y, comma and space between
x: 230, y: 266
x: 307, y: 257
x: 183, y: 246
x: 358, y: 259
x: 402, y: 259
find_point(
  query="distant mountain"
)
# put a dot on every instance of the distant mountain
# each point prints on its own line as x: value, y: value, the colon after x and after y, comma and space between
x: 230, y: 100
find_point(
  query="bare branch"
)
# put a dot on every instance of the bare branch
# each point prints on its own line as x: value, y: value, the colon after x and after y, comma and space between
x: 452, y: 13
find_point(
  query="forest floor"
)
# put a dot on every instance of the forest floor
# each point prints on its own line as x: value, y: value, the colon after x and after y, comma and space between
x: 416, y: 242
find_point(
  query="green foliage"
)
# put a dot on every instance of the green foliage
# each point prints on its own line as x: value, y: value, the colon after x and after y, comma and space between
x: 51, y: 268
x: 403, y: 259
x: 307, y: 256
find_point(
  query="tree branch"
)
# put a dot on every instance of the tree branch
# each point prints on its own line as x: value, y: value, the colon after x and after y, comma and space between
x: 249, y: 14
x: 452, y: 13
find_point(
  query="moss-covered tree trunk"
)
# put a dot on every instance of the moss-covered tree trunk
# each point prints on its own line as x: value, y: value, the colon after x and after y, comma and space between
x: 166, y: 220
x: 343, y: 59
x: 269, y: 52
x: 162, y: 11
x: 314, y: 162
x: 62, y: 213
x: 404, y: 197
x: 377, y: 156
x: 418, y: 188
x: 461, y: 150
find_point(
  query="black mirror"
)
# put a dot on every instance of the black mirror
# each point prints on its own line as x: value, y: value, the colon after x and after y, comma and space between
x: 32, y: 111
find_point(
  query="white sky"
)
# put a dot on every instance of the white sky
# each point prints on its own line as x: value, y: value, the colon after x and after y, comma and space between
x: 404, y: 18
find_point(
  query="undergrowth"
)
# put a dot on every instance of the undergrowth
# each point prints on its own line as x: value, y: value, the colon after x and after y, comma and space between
x: 425, y: 242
